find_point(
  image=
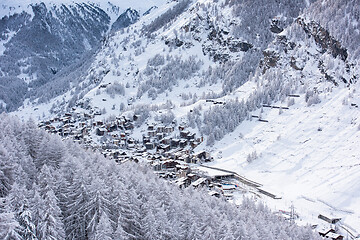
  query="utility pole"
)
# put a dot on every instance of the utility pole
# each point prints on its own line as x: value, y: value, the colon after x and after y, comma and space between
x: 292, y: 213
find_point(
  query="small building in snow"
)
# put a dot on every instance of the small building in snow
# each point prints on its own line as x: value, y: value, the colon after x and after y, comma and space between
x: 101, y: 131
x: 184, y: 134
x: 163, y: 147
x: 169, y: 164
x: 329, y: 219
x: 174, y: 143
x: 169, y: 129
x: 228, y: 188
x: 334, y: 236
x: 324, y: 231
x: 200, y: 182
x: 150, y: 145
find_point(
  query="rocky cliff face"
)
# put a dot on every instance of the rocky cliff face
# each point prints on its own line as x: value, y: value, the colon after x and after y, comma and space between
x: 323, y: 38
x: 130, y: 16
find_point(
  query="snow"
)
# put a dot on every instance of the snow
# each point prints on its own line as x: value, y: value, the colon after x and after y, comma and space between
x: 212, y: 172
x: 2, y: 103
x: 198, y: 182
x: 10, y: 7
x: 141, y: 5
x: 308, y: 154
x: 8, y: 35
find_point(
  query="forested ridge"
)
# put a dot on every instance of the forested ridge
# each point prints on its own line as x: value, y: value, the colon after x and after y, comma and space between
x: 54, y: 189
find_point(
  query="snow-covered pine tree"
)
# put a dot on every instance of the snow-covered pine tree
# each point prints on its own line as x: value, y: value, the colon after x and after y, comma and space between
x: 51, y: 226
x: 104, y: 230
x: 9, y: 226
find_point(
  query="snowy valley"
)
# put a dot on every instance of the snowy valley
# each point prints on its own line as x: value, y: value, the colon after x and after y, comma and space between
x: 249, y: 101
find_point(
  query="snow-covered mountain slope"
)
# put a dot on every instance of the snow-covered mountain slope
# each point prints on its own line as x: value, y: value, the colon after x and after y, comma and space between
x: 292, y: 55
x: 114, y: 8
x: 216, y: 53
x: 41, y: 42
x: 308, y: 153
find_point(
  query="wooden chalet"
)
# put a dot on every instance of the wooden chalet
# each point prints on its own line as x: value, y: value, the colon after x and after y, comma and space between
x: 160, y: 129
x: 131, y: 141
x: 334, y: 236
x: 82, y: 124
x: 150, y: 145
x: 78, y: 137
x: 97, y: 112
x: 163, y: 147
x: 201, y: 182
x: 49, y: 128
x: 113, y: 127
x: 228, y: 188
x: 129, y: 126
x: 65, y: 120
x: 193, y: 176
x: 65, y: 133
x: 329, y: 220
x: 184, y: 134
x: 169, y: 164
x: 182, y: 143
x: 159, y: 136
x: 214, y: 193
x: 203, y: 156
x: 174, y: 143
x: 151, y: 133
x: 87, y: 116
x: 181, y: 128
x: 166, y: 141
x: 136, y: 117
x: 122, y: 143
x: 156, y: 166
x: 169, y: 129
x: 190, y: 136
x: 101, y: 131
x: 183, y: 182
x: 324, y: 231
x: 193, y: 143
x: 182, y: 170
x: 146, y: 139
x: 123, y: 135
x: 116, y: 142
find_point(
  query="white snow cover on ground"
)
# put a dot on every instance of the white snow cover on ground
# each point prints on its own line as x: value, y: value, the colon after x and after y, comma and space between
x: 310, y: 155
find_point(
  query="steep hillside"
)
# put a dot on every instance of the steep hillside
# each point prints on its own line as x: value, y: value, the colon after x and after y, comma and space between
x: 305, y: 148
x: 41, y: 43
x: 215, y: 50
